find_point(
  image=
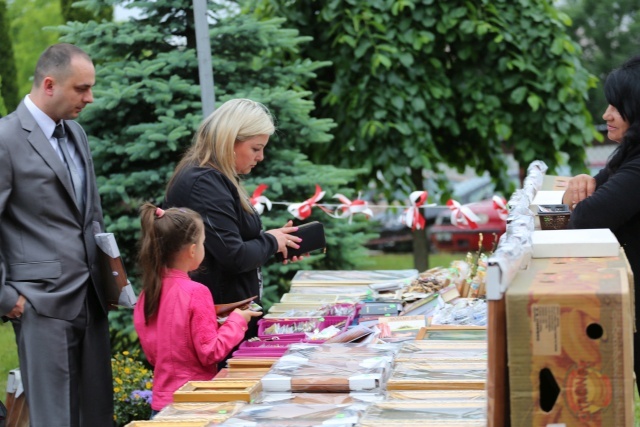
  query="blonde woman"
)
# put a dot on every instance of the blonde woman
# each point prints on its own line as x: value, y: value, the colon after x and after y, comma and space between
x: 229, y: 143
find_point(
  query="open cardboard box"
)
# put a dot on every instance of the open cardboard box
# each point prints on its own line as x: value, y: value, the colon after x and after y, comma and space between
x: 570, y: 343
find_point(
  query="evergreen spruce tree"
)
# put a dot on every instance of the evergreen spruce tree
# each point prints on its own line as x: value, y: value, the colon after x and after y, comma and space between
x: 9, y: 90
x: 147, y: 108
x: 71, y: 13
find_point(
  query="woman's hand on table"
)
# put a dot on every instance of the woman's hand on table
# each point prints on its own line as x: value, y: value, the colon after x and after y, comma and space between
x: 578, y: 188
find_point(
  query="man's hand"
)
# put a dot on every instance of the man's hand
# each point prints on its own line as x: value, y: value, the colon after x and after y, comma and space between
x: 18, y: 309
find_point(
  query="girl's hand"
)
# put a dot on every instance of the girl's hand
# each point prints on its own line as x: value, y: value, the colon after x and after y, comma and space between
x: 285, y: 238
x: 247, y: 314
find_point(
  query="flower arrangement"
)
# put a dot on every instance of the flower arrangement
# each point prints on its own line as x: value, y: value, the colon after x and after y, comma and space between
x: 132, y: 383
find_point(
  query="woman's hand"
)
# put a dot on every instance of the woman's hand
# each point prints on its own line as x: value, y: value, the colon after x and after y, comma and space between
x: 286, y: 239
x: 578, y: 188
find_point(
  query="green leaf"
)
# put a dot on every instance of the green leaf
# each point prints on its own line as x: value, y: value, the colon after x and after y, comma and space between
x: 406, y: 59
x: 557, y: 46
x: 517, y: 95
x: 362, y: 48
x: 397, y: 102
x: 534, y: 101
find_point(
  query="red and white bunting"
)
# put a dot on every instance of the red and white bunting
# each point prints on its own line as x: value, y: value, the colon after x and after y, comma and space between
x: 259, y: 201
x: 500, y: 205
x: 411, y: 216
x: 462, y: 216
x: 303, y: 210
x: 349, y: 208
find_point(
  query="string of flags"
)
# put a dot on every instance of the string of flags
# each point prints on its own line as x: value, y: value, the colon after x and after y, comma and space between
x: 461, y: 215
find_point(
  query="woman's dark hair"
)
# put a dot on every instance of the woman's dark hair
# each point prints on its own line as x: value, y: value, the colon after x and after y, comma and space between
x: 622, y: 90
x: 164, y: 233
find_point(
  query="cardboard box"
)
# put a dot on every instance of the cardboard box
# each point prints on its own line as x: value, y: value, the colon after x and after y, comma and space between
x: 351, y: 277
x: 169, y: 423
x: 238, y: 363
x: 555, y: 183
x: 438, y: 375
x: 595, y: 242
x: 214, y: 412
x: 453, y: 333
x: 422, y: 414
x: 570, y: 343
x: 218, y: 391
x: 545, y: 197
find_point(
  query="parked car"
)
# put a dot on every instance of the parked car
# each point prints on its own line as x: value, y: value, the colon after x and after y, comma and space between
x: 450, y: 238
x: 397, y: 237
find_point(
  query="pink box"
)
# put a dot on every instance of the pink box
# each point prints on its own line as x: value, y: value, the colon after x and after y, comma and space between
x: 254, y: 352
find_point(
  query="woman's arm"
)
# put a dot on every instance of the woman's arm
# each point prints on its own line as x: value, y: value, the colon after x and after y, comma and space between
x: 613, y: 203
x: 234, y: 245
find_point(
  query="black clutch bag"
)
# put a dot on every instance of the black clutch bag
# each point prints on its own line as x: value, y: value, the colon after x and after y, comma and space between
x: 312, y: 235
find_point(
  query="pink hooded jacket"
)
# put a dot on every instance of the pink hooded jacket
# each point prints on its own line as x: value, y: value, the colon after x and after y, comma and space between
x: 183, y: 341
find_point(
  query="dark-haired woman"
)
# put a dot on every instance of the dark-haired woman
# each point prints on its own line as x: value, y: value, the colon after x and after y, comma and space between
x: 610, y: 199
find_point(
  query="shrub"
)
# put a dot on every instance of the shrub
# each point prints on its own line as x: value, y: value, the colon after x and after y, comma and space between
x: 132, y: 383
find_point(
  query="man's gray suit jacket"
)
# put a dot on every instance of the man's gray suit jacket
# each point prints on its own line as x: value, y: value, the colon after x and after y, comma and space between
x: 48, y: 245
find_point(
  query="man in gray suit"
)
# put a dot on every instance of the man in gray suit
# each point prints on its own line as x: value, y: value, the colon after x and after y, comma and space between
x: 49, y: 212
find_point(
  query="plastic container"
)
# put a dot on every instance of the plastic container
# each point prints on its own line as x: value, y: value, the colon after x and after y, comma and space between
x: 312, y: 322
x: 554, y: 217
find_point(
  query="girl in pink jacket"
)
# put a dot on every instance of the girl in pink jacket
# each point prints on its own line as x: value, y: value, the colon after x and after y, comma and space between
x: 175, y: 317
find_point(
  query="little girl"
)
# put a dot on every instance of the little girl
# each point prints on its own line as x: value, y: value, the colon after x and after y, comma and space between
x: 175, y: 317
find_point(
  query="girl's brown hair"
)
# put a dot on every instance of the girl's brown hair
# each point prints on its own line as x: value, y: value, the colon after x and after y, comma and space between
x: 164, y: 233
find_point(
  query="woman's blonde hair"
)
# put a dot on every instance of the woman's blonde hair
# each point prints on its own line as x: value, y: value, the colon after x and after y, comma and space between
x: 237, y: 120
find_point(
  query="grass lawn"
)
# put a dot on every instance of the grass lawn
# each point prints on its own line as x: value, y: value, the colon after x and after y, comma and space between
x: 8, y: 355
x: 402, y: 261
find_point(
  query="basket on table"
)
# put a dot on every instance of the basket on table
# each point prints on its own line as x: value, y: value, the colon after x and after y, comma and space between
x: 554, y: 217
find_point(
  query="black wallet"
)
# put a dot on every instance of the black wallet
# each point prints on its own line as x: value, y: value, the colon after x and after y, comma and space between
x: 312, y: 235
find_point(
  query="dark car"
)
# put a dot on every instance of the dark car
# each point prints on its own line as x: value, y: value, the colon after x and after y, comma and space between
x: 397, y: 237
x: 450, y: 238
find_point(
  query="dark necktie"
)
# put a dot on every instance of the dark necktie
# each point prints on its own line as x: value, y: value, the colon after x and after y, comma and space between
x: 76, y: 180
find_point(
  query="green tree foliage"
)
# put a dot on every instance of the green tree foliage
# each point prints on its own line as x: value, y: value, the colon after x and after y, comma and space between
x: 9, y: 90
x: 74, y: 13
x: 31, y: 34
x: 455, y: 81
x: 147, y: 108
x: 3, y: 108
x: 609, y: 33
x: 420, y: 83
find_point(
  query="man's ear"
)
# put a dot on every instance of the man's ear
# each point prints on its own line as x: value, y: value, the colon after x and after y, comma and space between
x: 47, y: 85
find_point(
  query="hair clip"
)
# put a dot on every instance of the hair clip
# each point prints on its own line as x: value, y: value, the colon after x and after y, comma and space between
x: 159, y: 212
